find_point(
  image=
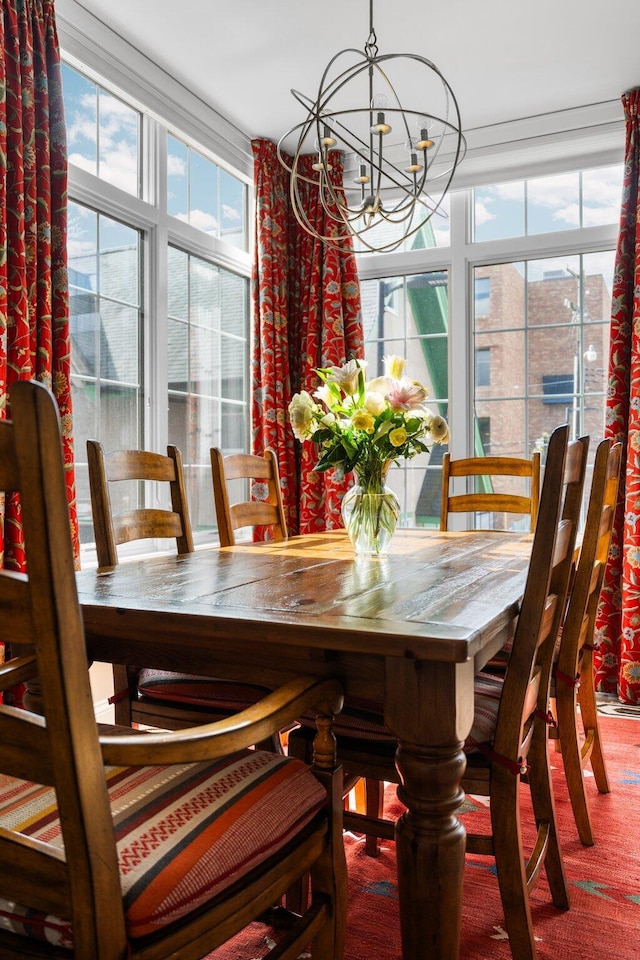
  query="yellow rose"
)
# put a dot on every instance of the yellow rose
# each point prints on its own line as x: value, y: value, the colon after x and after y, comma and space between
x: 362, y: 420
x: 397, y: 437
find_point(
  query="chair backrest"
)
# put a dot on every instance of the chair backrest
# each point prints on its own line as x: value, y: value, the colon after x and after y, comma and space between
x: 491, y: 502
x: 579, y: 623
x: 40, y: 611
x: 527, y: 680
x: 112, y: 528
x: 268, y: 511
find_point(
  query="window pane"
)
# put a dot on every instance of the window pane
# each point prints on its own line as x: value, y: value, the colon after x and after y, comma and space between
x: 177, y: 179
x: 207, y: 369
x: 499, y: 211
x: 119, y: 354
x: 555, y: 364
x: 553, y: 203
x: 81, y: 115
x: 408, y: 316
x: 601, y: 195
x: 203, y: 195
x: 103, y: 132
x: 232, y: 210
x: 119, y: 261
x: 106, y: 337
x: 118, y: 139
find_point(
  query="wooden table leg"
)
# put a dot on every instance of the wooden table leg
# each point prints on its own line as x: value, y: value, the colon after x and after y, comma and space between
x: 429, y: 706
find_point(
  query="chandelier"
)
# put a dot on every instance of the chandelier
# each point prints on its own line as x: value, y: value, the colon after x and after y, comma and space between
x: 403, y: 153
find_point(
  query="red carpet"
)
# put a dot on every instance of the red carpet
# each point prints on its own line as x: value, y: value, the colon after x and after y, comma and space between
x: 604, y: 881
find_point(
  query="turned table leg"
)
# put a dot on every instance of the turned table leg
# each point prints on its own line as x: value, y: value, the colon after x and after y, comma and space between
x: 431, y: 718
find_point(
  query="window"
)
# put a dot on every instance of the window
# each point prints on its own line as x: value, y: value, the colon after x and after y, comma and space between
x: 103, y: 132
x: 106, y: 347
x: 549, y: 338
x: 159, y: 297
x: 205, y: 195
x: 548, y: 204
x: 416, y: 328
x: 207, y: 356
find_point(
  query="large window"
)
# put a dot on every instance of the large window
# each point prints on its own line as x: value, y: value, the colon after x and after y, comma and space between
x: 523, y: 313
x: 158, y: 273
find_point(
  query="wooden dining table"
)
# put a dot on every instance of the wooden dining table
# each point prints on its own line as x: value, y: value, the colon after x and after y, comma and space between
x: 411, y: 629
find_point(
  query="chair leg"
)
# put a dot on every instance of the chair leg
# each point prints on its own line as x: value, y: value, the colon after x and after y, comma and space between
x: 573, y: 761
x: 545, y: 814
x: 589, y: 714
x: 510, y: 866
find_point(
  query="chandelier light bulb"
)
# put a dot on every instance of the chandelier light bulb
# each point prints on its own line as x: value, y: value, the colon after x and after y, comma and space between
x: 362, y: 177
x: 414, y: 166
x: 328, y: 140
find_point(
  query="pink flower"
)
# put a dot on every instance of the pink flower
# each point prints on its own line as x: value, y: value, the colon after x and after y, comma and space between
x: 406, y: 394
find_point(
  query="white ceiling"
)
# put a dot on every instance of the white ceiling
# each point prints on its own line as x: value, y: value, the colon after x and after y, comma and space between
x: 504, y: 59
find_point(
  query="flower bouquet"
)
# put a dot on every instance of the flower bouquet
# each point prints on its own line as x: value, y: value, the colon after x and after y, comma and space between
x: 364, y: 426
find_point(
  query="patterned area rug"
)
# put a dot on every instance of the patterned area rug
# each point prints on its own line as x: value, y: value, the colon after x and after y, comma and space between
x: 604, y: 880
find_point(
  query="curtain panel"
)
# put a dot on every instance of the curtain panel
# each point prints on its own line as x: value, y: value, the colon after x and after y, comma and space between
x: 306, y: 299
x: 617, y: 654
x: 34, y: 307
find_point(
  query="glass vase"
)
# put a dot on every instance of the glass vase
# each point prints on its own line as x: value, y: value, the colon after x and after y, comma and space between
x: 370, y: 519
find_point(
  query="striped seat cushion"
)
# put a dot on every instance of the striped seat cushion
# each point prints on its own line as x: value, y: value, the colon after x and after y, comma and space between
x: 225, y: 695
x: 184, y: 833
x: 362, y: 719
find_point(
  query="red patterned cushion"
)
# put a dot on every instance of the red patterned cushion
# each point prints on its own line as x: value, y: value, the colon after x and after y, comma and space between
x: 184, y: 832
x: 225, y: 695
x: 362, y: 719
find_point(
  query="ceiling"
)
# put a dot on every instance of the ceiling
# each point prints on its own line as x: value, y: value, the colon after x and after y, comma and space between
x: 504, y: 60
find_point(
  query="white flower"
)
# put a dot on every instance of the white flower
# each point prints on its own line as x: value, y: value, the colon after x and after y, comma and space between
x: 394, y: 366
x: 439, y: 429
x: 374, y: 402
x: 346, y: 376
x: 380, y: 385
x: 301, y: 410
x: 323, y: 394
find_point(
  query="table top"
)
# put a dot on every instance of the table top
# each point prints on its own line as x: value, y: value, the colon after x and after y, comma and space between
x: 437, y: 596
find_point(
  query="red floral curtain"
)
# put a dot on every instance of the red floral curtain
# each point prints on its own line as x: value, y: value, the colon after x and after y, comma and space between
x: 34, y: 314
x: 306, y: 298
x: 617, y: 656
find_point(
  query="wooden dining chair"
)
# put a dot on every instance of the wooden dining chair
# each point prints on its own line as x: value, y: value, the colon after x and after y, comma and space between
x: 268, y: 511
x: 522, y: 470
x: 508, y: 740
x: 573, y: 691
x: 157, y: 698
x: 147, y: 846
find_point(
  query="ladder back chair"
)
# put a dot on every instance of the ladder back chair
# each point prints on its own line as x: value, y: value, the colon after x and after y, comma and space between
x: 491, y: 502
x: 509, y: 736
x: 157, y: 698
x: 573, y: 678
x: 233, y: 828
x: 267, y: 512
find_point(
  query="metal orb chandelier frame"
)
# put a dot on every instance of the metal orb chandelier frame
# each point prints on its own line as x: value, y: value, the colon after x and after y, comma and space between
x: 404, y: 195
